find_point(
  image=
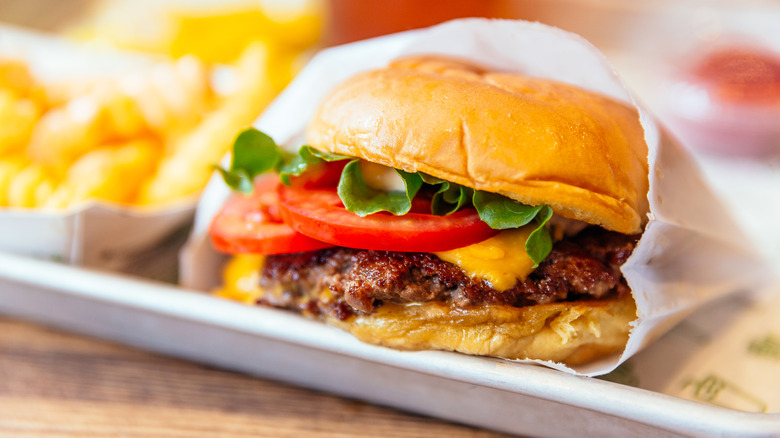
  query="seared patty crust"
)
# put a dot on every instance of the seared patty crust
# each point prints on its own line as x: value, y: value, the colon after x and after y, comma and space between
x: 584, y: 266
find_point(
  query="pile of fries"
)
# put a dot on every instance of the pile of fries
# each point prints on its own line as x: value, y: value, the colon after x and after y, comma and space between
x: 147, y: 137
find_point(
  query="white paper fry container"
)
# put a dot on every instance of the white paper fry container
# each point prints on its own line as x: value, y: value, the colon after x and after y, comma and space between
x: 691, y: 251
x: 93, y: 234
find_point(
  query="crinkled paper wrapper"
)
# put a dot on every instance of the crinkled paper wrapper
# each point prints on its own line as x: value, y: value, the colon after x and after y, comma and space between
x: 99, y: 235
x: 691, y: 251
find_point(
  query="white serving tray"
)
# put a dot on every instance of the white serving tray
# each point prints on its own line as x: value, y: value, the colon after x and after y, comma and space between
x: 496, y: 394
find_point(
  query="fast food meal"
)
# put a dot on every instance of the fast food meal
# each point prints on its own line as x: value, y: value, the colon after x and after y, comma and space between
x: 439, y: 204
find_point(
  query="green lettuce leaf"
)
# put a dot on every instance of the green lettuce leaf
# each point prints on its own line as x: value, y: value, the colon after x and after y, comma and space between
x: 449, y: 197
x: 501, y: 213
x: 361, y: 199
x: 307, y: 156
x: 253, y: 153
x: 539, y: 242
x: 237, y: 180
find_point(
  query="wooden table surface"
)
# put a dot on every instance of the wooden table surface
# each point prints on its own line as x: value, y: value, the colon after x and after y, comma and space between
x: 58, y: 384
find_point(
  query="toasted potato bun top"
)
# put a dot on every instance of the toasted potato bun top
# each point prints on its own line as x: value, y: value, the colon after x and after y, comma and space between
x: 534, y: 140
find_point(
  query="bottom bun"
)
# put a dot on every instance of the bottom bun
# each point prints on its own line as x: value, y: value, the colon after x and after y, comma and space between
x: 567, y: 332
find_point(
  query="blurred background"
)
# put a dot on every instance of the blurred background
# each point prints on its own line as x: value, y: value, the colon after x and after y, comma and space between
x: 652, y: 42
x: 709, y: 69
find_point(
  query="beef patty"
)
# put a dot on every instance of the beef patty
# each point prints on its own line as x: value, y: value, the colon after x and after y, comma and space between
x: 585, y: 266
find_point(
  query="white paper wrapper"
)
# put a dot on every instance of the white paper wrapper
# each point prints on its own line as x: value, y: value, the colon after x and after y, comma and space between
x: 691, y: 251
x: 93, y: 234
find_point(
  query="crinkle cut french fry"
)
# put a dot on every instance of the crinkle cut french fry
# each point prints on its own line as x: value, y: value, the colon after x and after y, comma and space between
x: 62, y: 134
x: 17, y: 120
x: 189, y: 164
x: 169, y: 95
x: 112, y: 173
x: 16, y: 78
x: 186, y: 171
x: 9, y: 168
x: 30, y: 187
x: 122, y: 116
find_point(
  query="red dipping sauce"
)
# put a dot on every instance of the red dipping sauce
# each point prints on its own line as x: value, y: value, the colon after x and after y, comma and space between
x: 741, y: 76
x: 727, y: 101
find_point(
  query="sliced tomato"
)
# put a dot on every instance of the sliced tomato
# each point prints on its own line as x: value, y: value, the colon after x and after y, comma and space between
x: 324, y: 175
x: 320, y: 214
x: 251, y: 224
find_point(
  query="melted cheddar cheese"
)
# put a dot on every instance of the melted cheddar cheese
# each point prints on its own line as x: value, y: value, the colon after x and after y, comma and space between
x: 501, y: 260
x: 242, y: 278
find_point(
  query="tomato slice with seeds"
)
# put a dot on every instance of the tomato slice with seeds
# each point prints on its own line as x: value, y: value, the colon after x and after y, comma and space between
x: 318, y: 212
x: 252, y: 224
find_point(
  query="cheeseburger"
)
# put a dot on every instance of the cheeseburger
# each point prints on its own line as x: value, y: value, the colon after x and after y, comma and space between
x: 438, y: 204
